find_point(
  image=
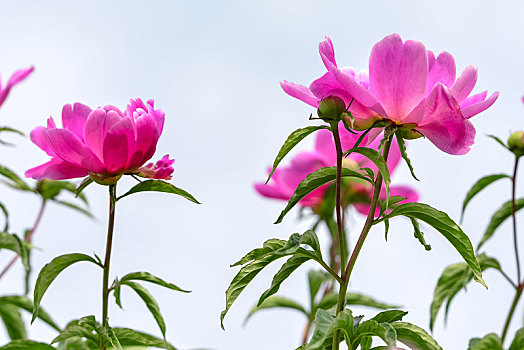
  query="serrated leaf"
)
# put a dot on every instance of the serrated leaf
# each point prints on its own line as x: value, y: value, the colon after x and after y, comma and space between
x: 12, y: 320
x: 518, y: 341
x: 50, y: 271
x: 315, y: 180
x: 441, y: 222
x: 414, y: 336
x: 150, y: 302
x: 26, y: 304
x: 276, y: 301
x: 419, y: 234
x: 130, y: 337
x: 17, y: 181
x: 453, y: 279
x: 159, y: 186
x: 481, y: 184
x: 498, y: 218
x: 24, y: 344
x: 404, y: 154
x: 292, y: 140
x: 287, y: 269
x: 147, y: 277
x: 488, y: 342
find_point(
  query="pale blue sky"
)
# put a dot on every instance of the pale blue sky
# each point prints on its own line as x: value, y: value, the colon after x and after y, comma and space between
x: 214, y: 67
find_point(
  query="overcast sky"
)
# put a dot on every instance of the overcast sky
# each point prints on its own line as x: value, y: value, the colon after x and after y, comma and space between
x: 214, y: 67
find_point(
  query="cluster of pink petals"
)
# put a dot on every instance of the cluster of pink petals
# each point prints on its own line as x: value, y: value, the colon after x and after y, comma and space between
x: 16, y: 78
x: 286, y: 179
x: 162, y: 169
x: 406, y: 84
x: 104, y: 142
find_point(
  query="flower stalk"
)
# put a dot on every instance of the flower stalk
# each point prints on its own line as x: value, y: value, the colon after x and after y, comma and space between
x: 109, y: 244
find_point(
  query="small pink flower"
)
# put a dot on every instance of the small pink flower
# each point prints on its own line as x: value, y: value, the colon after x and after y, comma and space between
x: 285, y: 179
x: 161, y: 170
x: 409, y: 85
x: 16, y: 78
x: 103, y: 143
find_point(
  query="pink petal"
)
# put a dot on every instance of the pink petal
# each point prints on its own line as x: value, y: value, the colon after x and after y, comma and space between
x: 144, y: 146
x: 464, y: 84
x: 158, y: 115
x: 480, y: 97
x: 39, y: 137
x: 440, y: 70
x: 15, y: 79
x: 476, y: 108
x: 299, y: 92
x: 271, y: 191
x: 96, y: 127
x: 398, y: 75
x: 69, y: 148
x: 327, y: 53
x: 56, y: 169
x: 116, y: 152
x: 74, y: 118
x: 440, y: 119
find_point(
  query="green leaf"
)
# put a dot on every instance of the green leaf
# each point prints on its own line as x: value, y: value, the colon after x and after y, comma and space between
x: 12, y: 130
x: 17, y: 182
x: 315, y: 280
x: 329, y: 300
x: 3, y: 209
x: 147, y: 277
x: 159, y: 186
x: 49, y: 189
x: 24, y: 344
x: 518, y: 341
x: 498, y: 218
x: 489, y: 342
x: 313, y: 181
x: 390, y: 316
x: 415, y: 337
x: 453, y: 279
x: 12, y: 242
x: 130, y: 337
x: 113, y: 338
x: 276, y: 301
x: 26, y: 304
x: 292, y: 140
x: 287, y: 269
x: 86, y: 328
x: 380, y: 163
x: 419, y: 234
x: 326, y: 325
x: 499, y: 141
x: 74, y: 207
x: 404, y: 154
x: 258, y: 259
x: 50, y: 271
x: 481, y: 184
x: 371, y: 328
x: 150, y: 302
x: 13, y: 322
x: 441, y: 222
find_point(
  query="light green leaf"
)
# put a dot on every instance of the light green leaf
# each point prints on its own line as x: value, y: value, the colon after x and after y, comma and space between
x: 499, y: 141
x: 313, y: 181
x: 489, y: 342
x: 130, y: 337
x: 24, y: 344
x: 13, y: 322
x: 419, y: 234
x: 292, y: 140
x: 481, y: 184
x: 498, y: 218
x: 415, y: 337
x: 16, y: 181
x: 50, y: 271
x: 315, y: 280
x: 3, y: 209
x: 159, y: 186
x: 276, y: 301
x: 13, y: 243
x: 12, y: 130
x: 26, y: 304
x: 352, y: 298
x: 390, y: 316
x: 518, y: 341
x: 147, y: 277
x: 441, y: 222
x: 74, y: 207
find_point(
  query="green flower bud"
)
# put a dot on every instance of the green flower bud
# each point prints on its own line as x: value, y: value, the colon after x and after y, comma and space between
x: 516, y: 143
x: 105, y: 180
x: 408, y: 132
x: 331, y: 108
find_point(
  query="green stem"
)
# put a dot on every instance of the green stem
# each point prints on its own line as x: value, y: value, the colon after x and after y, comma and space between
x: 341, y: 240
x: 511, y: 312
x: 365, y: 230
x: 109, y: 243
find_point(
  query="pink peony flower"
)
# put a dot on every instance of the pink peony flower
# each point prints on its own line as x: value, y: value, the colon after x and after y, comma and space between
x: 409, y: 86
x: 16, y: 78
x: 285, y: 179
x: 161, y: 170
x: 103, y: 143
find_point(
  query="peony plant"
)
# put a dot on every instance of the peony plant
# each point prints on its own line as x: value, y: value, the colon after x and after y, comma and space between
x: 407, y: 94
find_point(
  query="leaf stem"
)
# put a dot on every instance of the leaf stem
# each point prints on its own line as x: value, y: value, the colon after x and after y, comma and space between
x: 28, y: 237
x: 365, y: 230
x: 109, y: 243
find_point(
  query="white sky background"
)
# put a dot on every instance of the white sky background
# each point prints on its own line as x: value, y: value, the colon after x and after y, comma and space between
x: 214, y: 68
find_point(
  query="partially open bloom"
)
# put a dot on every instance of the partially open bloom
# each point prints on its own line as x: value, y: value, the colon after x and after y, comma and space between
x: 408, y: 87
x: 162, y: 169
x: 104, y: 143
x: 356, y: 192
x: 16, y: 78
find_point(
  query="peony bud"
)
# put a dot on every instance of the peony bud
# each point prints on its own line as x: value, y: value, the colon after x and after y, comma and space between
x: 516, y: 143
x: 331, y: 108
